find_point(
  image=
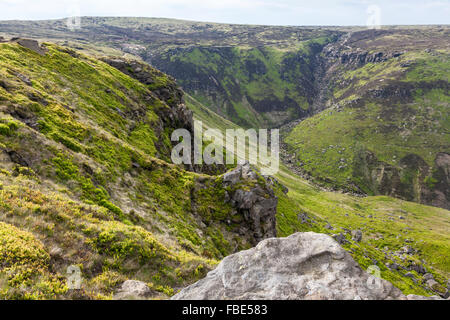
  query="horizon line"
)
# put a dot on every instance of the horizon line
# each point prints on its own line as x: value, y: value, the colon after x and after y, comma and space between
x: 223, y: 23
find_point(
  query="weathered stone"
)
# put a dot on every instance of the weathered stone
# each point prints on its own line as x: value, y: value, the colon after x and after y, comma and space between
x: 257, y: 206
x: 302, y: 266
x: 358, y: 57
x: 340, y: 238
x: 247, y: 172
x: 407, y: 250
x: 357, y: 235
x: 432, y: 284
x: 417, y: 268
x: 302, y: 217
x: 244, y: 199
x: 232, y: 177
x: 393, y: 266
x: 132, y: 290
x: 24, y: 78
x: 32, y: 45
x: 428, y: 276
x: 17, y: 158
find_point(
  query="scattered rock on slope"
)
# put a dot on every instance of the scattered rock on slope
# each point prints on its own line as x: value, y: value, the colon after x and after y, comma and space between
x: 357, y: 235
x: 303, y: 266
x: 31, y: 44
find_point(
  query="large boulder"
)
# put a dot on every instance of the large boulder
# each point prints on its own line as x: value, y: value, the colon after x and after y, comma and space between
x: 303, y: 266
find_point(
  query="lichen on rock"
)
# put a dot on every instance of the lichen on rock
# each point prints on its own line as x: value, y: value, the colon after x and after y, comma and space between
x: 303, y: 266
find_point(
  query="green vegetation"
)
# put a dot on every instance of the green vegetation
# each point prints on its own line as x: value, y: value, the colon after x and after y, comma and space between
x: 384, y: 232
x: 332, y: 146
x: 86, y: 181
x: 209, y: 118
x: 388, y: 224
x: 261, y: 86
x: 79, y: 140
x: 25, y: 262
x: 74, y: 233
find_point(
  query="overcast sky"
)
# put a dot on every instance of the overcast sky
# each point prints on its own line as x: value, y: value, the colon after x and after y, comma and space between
x: 274, y: 12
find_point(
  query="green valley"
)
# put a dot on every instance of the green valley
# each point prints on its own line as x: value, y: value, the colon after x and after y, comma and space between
x: 87, y: 179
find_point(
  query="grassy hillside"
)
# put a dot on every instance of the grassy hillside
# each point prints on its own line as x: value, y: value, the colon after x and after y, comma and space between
x: 252, y: 86
x: 386, y: 131
x: 256, y: 76
x: 83, y: 178
x: 387, y: 225
x: 385, y: 92
x: 61, y: 231
x: 209, y: 118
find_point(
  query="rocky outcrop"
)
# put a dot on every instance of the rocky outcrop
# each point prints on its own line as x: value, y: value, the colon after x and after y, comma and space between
x: 304, y: 266
x: 437, y: 192
x: 165, y: 88
x: 346, y: 52
x: 413, y: 179
x: 361, y: 57
x: 30, y: 44
x: 246, y: 206
x: 257, y: 205
x: 162, y: 86
x: 213, y: 78
x: 358, y: 57
x: 357, y: 235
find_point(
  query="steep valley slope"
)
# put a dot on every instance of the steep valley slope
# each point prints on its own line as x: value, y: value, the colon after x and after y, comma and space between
x: 405, y: 240
x: 87, y: 180
x: 385, y: 128
x: 253, y: 75
x: 376, y: 101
